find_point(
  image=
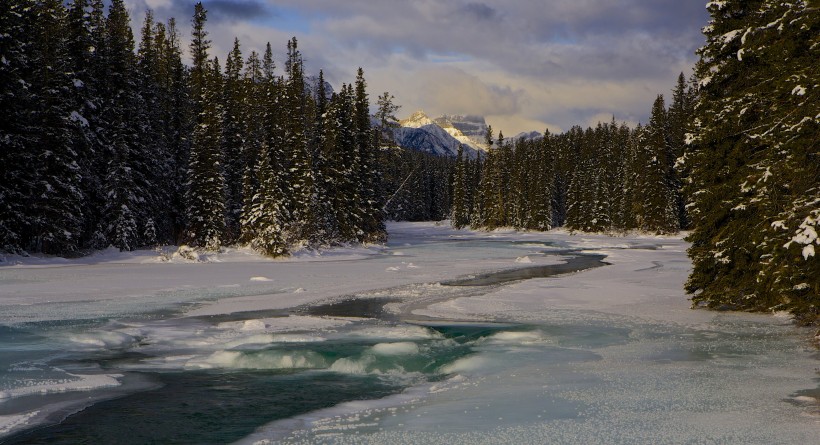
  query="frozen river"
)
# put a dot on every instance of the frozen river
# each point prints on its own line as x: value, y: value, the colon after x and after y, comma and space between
x: 441, y: 336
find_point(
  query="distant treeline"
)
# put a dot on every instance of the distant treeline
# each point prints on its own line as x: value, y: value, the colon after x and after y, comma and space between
x: 605, y: 179
x: 735, y: 159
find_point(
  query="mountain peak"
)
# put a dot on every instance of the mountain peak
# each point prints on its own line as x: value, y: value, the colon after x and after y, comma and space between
x: 417, y: 120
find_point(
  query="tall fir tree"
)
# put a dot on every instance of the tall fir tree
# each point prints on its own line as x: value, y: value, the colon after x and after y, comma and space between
x: 372, y: 227
x: 321, y: 150
x: 459, y: 217
x: 254, y: 94
x: 298, y: 157
x: 126, y: 137
x: 55, y: 212
x: 17, y: 131
x: 234, y: 134
x: 753, y: 160
x: 205, y: 186
x: 656, y: 202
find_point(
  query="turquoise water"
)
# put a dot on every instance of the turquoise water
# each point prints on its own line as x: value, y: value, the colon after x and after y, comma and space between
x: 206, y: 407
x: 567, y: 376
x: 227, y: 404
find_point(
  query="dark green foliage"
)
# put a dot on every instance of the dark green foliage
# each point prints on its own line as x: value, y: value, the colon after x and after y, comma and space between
x: 236, y: 118
x: 753, y: 163
x: 604, y: 179
x: 368, y: 178
x: 102, y: 146
x: 654, y: 197
x: 206, y: 199
x: 17, y: 130
x: 417, y: 186
x: 205, y: 187
x: 54, y: 212
x: 460, y: 216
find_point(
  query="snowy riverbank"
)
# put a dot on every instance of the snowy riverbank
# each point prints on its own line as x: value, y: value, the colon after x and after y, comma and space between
x: 608, y: 354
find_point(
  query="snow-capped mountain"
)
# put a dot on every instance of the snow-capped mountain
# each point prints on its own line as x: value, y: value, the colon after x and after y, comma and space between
x: 417, y: 120
x: 473, y: 128
x: 439, y: 137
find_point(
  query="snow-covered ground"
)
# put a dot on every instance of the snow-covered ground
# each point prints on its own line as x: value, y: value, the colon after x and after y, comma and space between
x: 608, y: 355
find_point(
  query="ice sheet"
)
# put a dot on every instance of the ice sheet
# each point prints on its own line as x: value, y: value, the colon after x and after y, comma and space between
x: 613, y: 354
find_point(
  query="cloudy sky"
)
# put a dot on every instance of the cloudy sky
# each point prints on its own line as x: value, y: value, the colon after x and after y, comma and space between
x: 524, y: 64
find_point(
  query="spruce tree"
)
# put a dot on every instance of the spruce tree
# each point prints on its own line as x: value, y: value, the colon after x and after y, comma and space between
x: 724, y: 269
x: 656, y: 200
x: 753, y: 160
x: 327, y: 230
x: 55, y: 211
x: 205, y: 186
x: 126, y: 136
x: 386, y: 116
x: 345, y: 165
x: 86, y: 41
x: 17, y: 132
x: 539, y: 186
x: 303, y: 223
x: 269, y: 213
x: 372, y: 227
x: 459, y: 217
x: 234, y: 134
x: 679, y: 121
x: 254, y: 95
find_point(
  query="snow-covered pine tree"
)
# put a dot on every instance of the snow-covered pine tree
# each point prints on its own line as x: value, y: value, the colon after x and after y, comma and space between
x: 562, y: 158
x: 234, y: 133
x: 372, y: 227
x: 303, y: 222
x: 55, y: 211
x: 16, y: 130
x: 270, y: 210
x: 255, y: 105
x: 327, y: 231
x: 679, y: 120
x: 156, y: 138
x: 521, y: 173
x: 722, y: 251
x: 477, y: 204
x: 178, y: 122
x: 127, y: 136
x: 345, y: 165
x: 757, y: 119
x: 86, y: 33
x: 539, y: 186
x: 504, y: 201
x: 583, y: 177
x: 606, y: 181
x: 655, y: 199
x: 621, y: 190
x: 472, y: 173
x: 205, y: 186
x: 459, y: 217
x: 488, y: 190
x: 787, y: 179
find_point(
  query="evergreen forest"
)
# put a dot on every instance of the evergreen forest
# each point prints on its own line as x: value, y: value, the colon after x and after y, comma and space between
x: 108, y: 144
x: 735, y: 158
x: 609, y: 179
x: 111, y: 142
